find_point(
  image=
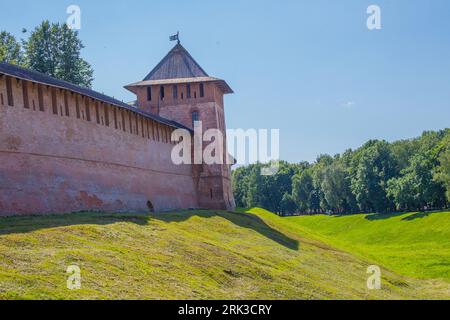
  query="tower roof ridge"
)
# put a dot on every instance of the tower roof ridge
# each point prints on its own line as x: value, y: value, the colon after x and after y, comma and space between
x: 177, y: 64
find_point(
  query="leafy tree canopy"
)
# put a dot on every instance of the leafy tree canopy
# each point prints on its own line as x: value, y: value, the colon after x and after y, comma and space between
x: 53, y: 49
x: 379, y: 176
x: 10, y: 49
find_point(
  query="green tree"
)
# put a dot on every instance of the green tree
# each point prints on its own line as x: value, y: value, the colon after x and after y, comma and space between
x: 373, y: 166
x: 240, y: 178
x: 442, y: 173
x: 268, y: 191
x: 336, y: 188
x: 71, y: 67
x: 10, y: 49
x: 416, y: 188
x: 54, y: 49
x: 318, y: 200
x: 379, y: 176
x: 403, y: 151
x: 304, y: 193
x: 288, y: 205
x: 401, y: 190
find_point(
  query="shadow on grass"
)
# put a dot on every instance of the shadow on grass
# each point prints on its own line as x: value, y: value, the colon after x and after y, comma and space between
x: 243, y: 220
x: 382, y: 216
x: 25, y: 224
x: 408, y: 216
x: 419, y: 215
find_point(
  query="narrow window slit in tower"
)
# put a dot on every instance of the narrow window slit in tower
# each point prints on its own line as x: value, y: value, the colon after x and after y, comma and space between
x: 202, y: 90
x: 195, y: 118
x: 175, y: 91
x: 188, y: 91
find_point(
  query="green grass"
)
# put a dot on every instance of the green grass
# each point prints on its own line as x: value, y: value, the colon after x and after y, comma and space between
x: 412, y: 244
x: 187, y: 255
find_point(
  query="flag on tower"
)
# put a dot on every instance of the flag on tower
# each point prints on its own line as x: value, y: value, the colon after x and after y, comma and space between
x: 175, y: 37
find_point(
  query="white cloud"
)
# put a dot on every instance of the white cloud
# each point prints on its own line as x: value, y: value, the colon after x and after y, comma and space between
x: 348, y: 104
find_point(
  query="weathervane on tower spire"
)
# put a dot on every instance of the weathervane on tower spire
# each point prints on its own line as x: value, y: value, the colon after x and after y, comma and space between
x: 175, y: 37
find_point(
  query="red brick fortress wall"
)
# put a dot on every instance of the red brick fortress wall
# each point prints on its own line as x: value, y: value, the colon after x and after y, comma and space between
x: 213, y: 181
x: 61, y: 152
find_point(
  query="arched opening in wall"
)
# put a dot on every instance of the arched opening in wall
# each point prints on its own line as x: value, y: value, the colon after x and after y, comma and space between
x: 150, y: 206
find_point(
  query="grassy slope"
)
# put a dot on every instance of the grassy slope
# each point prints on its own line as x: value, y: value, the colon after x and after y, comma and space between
x: 413, y: 244
x: 183, y: 255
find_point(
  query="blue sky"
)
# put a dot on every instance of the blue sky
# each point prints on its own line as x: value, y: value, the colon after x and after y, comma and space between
x: 310, y: 68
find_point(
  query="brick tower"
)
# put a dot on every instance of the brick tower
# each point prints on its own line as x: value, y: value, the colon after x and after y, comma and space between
x: 179, y: 89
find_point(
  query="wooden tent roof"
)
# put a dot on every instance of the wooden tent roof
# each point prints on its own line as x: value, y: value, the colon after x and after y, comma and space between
x: 178, y: 63
x: 178, y: 66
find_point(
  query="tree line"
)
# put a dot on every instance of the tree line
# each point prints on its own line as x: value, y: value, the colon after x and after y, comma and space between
x: 51, y: 48
x: 405, y: 175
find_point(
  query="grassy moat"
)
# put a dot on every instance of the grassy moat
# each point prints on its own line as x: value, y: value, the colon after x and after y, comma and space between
x: 223, y: 255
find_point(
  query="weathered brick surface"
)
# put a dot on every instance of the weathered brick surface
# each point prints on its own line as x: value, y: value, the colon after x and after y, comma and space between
x: 62, y: 152
x: 213, y: 181
x: 53, y: 163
